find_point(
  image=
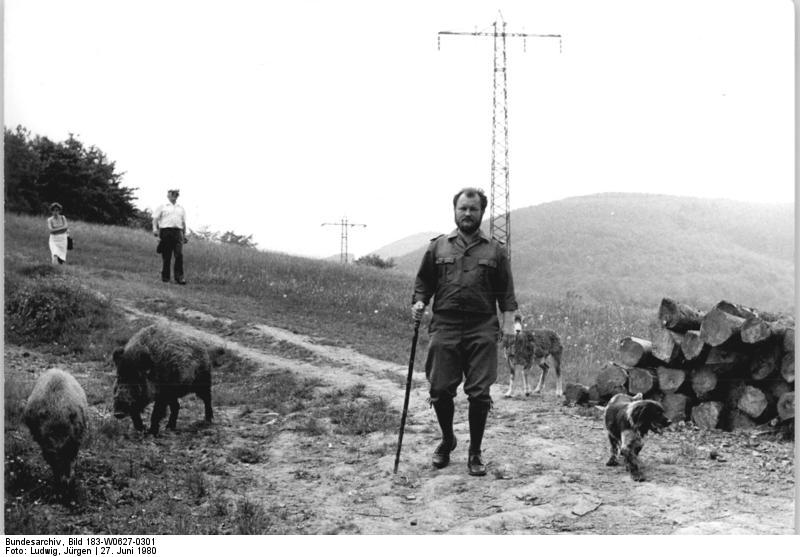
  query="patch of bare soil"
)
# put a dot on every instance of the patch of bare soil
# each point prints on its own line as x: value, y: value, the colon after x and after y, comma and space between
x: 546, y: 464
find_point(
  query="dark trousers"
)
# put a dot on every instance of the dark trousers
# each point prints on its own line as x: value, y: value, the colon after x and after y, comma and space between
x: 462, y: 346
x: 171, y: 246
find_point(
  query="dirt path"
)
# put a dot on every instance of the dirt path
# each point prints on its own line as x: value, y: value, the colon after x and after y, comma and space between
x: 546, y: 465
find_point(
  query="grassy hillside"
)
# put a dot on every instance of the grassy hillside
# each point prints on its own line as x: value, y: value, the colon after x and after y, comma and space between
x: 361, y: 307
x: 328, y: 300
x: 637, y: 248
x: 405, y: 245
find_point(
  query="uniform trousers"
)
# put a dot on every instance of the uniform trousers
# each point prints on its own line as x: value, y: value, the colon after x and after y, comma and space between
x: 463, y: 346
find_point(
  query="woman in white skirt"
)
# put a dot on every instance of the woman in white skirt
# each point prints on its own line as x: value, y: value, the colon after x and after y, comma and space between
x: 57, y: 225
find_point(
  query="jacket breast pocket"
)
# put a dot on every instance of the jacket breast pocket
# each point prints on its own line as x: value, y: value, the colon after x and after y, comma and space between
x: 488, y: 270
x: 445, y: 266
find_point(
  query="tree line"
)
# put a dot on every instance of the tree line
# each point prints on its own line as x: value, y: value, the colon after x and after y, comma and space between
x: 39, y: 171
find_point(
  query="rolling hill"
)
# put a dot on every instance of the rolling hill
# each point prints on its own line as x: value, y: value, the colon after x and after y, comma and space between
x: 638, y: 248
x: 405, y: 245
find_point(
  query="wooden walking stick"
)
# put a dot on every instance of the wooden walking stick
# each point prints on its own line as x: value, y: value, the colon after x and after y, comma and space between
x: 408, y: 393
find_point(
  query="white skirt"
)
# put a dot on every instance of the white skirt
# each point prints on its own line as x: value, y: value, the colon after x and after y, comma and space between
x: 58, y: 246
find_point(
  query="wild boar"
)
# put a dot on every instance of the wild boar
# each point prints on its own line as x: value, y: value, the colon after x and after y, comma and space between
x: 56, y: 414
x: 160, y: 365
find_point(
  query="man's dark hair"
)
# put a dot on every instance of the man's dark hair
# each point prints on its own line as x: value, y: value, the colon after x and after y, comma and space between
x: 472, y: 192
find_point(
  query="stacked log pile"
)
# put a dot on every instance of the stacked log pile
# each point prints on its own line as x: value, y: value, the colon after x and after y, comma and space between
x: 729, y: 368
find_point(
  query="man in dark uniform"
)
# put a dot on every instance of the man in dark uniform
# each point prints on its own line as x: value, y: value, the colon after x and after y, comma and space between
x: 469, y: 277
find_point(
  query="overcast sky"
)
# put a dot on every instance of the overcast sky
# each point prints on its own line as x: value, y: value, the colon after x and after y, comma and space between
x: 275, y: 117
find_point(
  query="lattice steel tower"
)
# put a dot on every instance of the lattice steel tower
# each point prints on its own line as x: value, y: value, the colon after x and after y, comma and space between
x: 500, y: 207
x: 345, y: 226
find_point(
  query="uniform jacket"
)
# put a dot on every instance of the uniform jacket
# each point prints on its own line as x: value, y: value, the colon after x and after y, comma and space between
x: 474, y: 279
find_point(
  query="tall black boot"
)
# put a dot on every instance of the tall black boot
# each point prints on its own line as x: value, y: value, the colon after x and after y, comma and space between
x: 445, y: 409
x: 478, y: 413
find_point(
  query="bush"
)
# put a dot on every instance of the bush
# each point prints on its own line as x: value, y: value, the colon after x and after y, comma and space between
x: 55, y: 309
x: 352, y: 412
x: 374, y: 260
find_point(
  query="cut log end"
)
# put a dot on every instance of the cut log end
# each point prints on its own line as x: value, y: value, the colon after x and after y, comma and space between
x: 642, y: 380
x: 667, y: 346
x: 753, y: 402
x: 634, y: 351
x: 612, y: 379
x: 670, y: 379
x: 704, y: 382
x: 676, y: 407
x: 787, y: 367
x: 719, y: 327
x: 786, y: 406
x: 692, y: 345
x: 707, y: 415
x: 679, y: 317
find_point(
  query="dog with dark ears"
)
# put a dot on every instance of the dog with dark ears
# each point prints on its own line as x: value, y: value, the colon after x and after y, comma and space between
x: 628, y: 419
x: 527, y: 347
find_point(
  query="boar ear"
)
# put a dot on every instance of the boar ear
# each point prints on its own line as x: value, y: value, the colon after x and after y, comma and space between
x: 118, y: 355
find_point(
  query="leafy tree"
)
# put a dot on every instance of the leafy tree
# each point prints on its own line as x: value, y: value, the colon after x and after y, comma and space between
x: 203, y: 233
x: 40, y: 171
x: 374, y: 260
x: 229, y: 237
x: 22, y: 168
x: 142, y: 219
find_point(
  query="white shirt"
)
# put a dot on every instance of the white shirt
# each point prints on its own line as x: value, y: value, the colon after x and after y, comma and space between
x: 169, y: 216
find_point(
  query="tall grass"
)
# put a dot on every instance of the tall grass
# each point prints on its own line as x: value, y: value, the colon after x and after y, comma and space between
x: 351, y: 304
x: 363, y: 307
x: 590, y: 331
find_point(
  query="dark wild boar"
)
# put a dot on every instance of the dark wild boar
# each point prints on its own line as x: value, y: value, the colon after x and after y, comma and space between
x: 56, y: 414
x: 160, y: 365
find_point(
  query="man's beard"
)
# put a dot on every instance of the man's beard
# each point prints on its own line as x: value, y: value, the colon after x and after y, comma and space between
x: 469, y: 227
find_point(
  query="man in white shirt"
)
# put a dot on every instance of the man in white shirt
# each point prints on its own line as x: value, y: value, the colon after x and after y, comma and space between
x: 169, y: 225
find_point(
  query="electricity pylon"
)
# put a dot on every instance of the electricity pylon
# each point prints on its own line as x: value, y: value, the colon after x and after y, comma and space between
x: 500, y: 214
x: 345, y: 225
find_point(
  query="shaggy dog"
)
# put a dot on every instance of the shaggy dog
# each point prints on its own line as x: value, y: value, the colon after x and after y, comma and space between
x: 528, y: 346
x: 628, y: 419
